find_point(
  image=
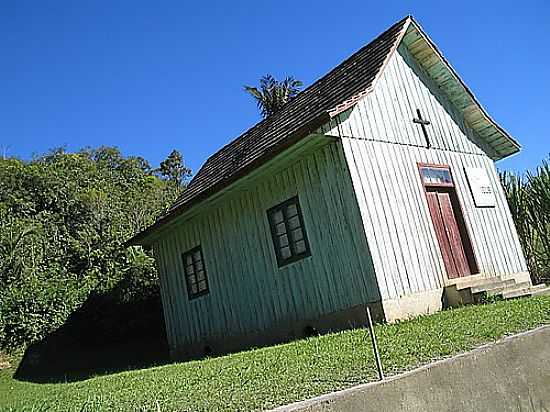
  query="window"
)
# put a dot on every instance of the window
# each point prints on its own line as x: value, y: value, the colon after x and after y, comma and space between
x: 436, y: 175
x: 195, y: 273
x: 288, y: 232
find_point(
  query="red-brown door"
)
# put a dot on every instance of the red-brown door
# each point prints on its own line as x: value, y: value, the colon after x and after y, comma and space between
x: 451, y: 239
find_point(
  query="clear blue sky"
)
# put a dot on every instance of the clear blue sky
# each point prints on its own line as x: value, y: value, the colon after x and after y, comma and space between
x: 152, y: 76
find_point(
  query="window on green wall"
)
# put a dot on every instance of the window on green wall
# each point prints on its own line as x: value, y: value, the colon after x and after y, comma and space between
x: 288, y: 232
x: 195, y: 273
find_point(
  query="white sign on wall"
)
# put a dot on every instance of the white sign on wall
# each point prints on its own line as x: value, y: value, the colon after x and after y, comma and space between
x: 480, y: 185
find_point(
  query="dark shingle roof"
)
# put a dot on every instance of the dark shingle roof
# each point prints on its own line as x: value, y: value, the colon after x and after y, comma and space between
x: 352, y: 76
x: 301, y: 116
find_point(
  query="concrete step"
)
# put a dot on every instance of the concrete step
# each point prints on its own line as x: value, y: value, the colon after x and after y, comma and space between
x: 496, y: 286
x: 542, y: 291
x: 478, y: 281
x: 508, y: 288
x: 529, y: 291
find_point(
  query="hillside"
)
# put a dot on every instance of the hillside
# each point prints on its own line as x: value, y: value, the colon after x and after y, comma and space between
x: 264, y: 378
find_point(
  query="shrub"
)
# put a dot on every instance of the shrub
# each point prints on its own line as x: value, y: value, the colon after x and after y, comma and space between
x: 30, y: 309
x: 64, y: 218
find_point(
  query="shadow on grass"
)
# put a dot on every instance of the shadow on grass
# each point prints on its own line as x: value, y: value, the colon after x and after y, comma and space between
x: 62, y: 364
x: 98, y: 339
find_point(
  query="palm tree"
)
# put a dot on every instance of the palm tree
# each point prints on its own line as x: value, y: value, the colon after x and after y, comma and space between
x: 273, y: 94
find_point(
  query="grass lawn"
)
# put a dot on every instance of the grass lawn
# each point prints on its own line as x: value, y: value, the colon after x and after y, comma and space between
x: 268, y: 377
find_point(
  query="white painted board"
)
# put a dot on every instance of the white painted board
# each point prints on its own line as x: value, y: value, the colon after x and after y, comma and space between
x: 480, y: 185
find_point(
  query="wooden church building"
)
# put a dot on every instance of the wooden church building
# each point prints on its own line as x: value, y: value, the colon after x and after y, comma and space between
x: 375, y: 186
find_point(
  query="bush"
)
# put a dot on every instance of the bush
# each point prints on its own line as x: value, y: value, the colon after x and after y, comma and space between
x: 33, y: 307
x: 64, y: 218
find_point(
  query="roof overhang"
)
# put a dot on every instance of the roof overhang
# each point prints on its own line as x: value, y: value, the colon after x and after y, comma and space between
x: 282, y: 156
x: 424, y: 50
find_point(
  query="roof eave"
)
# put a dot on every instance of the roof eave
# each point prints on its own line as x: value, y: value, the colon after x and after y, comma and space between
x: 512, y: 144
x: 145, y: 237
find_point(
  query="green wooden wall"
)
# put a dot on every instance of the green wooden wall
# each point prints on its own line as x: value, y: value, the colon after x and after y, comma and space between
x: 248, y: 292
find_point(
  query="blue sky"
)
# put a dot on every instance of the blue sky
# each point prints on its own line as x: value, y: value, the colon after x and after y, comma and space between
x: 149, y: 77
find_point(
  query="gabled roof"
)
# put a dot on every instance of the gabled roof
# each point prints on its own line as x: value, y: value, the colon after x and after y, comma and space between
x: 332, y: 94
x: 356, y: 73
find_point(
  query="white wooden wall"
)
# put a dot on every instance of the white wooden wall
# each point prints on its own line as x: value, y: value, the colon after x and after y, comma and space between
x: 386, y: 114
x: 248, y: 292
x: 382, y: 147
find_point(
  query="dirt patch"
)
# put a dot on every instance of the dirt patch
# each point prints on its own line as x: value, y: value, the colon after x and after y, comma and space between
x: 4, y: 362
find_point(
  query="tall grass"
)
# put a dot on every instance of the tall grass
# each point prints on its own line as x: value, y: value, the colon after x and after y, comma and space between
x: 529, y: 200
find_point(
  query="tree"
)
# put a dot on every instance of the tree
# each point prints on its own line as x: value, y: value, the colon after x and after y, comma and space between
x: 174, y: 170
x: 273, y: 94
x: 64, y: 218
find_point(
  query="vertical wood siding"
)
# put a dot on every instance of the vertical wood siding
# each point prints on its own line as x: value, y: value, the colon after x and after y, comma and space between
x: 248, y: 292
x: 369, y: 177
x: 383, y: 146
x: 386, y: 114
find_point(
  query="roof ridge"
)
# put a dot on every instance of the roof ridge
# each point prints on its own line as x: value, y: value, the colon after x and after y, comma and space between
x: 343, y: 106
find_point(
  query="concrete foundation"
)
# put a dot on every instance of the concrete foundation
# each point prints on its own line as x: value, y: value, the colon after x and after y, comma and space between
x: 519, y: 277
x: 388, y: 310
x: 284, y: 332
x: 413, y: 305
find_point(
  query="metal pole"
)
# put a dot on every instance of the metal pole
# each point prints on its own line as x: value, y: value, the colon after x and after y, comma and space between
x: 375, y: 346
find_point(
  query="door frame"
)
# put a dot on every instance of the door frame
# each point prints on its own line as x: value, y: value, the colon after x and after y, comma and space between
x: 459, y: 216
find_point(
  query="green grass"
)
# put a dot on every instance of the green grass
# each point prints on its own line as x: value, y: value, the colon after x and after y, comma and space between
x: 268, y: 377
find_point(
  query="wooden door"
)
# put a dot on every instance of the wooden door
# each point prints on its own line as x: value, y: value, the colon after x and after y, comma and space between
x: 450, y: 237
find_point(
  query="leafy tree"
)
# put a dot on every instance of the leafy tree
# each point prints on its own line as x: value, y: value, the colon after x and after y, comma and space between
x: 273, y: 94
x: 64, y: 218
x: 174, y: 170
